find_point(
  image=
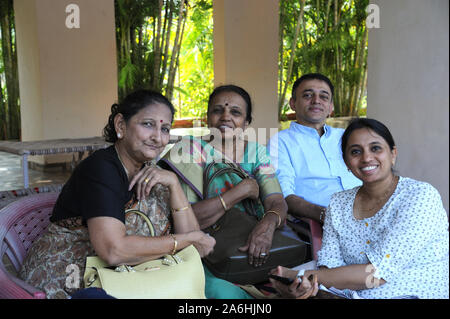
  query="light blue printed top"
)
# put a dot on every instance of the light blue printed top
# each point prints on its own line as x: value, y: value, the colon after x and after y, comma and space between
x: 308, y: 165
x: 406, y: 241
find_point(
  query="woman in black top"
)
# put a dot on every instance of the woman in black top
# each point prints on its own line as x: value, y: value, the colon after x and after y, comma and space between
x: 100, y: 189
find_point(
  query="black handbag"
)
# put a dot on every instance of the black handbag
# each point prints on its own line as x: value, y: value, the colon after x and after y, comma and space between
x: 231, y: 231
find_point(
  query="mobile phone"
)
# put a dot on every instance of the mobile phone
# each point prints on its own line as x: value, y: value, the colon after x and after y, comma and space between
x: 283, y: 280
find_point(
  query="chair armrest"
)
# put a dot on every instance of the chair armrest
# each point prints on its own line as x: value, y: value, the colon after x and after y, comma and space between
x: 14, y: 288
x: 316, y: 234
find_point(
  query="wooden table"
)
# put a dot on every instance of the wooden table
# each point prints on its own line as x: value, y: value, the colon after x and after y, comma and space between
x: 47, y: 147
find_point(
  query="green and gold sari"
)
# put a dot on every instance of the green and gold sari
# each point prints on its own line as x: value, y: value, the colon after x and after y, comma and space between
x: 188, y: 159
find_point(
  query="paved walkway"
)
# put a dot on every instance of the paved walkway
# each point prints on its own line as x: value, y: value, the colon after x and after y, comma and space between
x: 11, y: 174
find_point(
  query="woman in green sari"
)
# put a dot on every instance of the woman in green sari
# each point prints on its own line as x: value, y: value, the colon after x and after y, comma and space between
x: 229, y: 114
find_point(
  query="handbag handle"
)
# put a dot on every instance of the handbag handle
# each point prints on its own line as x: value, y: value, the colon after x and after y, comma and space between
x: 230, y: 168
x: 147, y: 220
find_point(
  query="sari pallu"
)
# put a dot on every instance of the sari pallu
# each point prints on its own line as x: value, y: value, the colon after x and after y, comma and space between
x: 189, y: 157
x: 231, y: 231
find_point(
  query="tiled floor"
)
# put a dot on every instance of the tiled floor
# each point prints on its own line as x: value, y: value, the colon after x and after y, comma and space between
x: 11, y: 177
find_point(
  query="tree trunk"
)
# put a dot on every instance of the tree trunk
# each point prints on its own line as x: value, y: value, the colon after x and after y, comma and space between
x: 355, y: 66
x: 3, y: 128
x: 363, y: 80
x: 157, y: 51
x: 359, y: 66
x: 281, y: 60
x: 10, y: 67
x: 338, y: 65
x: 175, y: 50
x: 325, y: 30
x: 291, y: 60
x: 305, y: 43
x: 167, y: 40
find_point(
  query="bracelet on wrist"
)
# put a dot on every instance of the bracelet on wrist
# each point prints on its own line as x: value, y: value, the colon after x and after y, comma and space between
x: 176, y: 210
x: 223, y: 203
x: 276, y: 213
x: 175, y: 244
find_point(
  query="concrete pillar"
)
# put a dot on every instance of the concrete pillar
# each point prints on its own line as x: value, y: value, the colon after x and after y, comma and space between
x: 67, y: 72
x: 246, y: 53
x: 408, y: 86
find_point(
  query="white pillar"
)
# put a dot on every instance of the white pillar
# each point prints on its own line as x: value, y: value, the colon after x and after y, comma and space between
x: 246, y: 53
x: 67, y: 74
x: 408, y: 86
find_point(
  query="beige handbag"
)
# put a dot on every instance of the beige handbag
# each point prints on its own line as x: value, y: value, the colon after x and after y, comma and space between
x: 178, y: 276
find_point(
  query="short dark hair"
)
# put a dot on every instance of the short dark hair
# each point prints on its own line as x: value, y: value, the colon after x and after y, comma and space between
x: 130, y: 106
x: 312, y: 76
x: 235, y: 89
x: 372, y: 124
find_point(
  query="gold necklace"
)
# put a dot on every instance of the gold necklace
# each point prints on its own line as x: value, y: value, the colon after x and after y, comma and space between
x: 120, y: 159
x: 381, y: 200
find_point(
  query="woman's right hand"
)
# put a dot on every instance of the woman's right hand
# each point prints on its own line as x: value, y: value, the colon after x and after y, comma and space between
x: 250, y: 187
x: 203, y: 242
x: 296, y: 290
x: 148, y: 177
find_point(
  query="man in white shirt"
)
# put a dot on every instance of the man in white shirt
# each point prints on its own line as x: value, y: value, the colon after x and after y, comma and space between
x: 307, y: 155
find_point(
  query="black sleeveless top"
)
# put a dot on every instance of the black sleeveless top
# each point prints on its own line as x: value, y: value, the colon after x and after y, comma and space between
x: 97, y: 187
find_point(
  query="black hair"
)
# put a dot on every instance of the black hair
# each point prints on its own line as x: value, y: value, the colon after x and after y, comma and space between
x: 312, y: 76
x: 235, y: 89
x: 372, y: 124
x: 130, y: 106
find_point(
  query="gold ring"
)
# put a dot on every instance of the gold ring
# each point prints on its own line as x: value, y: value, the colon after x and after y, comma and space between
x: 146, y: 180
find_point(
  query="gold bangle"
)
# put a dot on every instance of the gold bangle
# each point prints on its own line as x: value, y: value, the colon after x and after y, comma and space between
x: 223, y: 203
x: 180, y: 209
x: 175, y: 244
x: 274, y: 212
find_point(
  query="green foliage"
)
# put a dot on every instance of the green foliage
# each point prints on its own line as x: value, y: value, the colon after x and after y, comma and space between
x: 168, y: 49
x: 332, y: 41
x: 167, y: 45
x: 134, y: 47
x: 196, y: 76
x: 128, y: 74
